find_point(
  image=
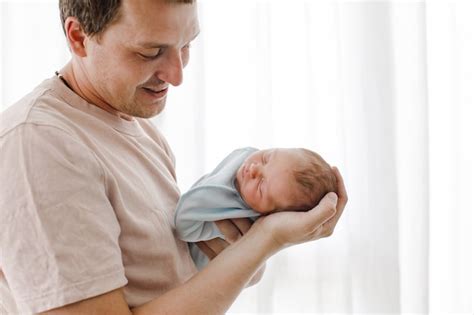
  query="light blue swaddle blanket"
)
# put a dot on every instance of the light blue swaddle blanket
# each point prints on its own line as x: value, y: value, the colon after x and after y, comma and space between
x: 213, y: 197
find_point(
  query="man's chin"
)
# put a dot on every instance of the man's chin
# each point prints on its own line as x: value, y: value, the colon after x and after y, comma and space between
x: 149, y: 110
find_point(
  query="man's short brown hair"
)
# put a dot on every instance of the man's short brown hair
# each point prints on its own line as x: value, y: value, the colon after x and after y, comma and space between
x: 95, y: 15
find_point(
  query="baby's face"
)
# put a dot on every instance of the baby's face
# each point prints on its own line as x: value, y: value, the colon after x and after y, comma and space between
x: 265, y: 180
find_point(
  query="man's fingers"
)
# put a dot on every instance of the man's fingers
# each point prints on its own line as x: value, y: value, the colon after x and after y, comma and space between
x: 325, y: 210
x: 217, y: 245
x: 213, y: 247
x: 230, y: 230
x: 206, y: 250
x: 341, y: 189
x: 342, y: 196
x: 243, y: 224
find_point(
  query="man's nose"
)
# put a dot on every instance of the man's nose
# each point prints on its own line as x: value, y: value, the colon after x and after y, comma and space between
x: 171, y: 69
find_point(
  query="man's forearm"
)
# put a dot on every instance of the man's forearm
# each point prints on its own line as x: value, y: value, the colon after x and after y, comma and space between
x: 214, y: 289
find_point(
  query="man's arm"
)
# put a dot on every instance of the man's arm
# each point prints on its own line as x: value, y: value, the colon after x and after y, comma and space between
x: 213, y: 290
x: 210, y: 291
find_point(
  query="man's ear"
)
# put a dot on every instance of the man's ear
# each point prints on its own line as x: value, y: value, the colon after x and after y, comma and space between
x: 75, y: 35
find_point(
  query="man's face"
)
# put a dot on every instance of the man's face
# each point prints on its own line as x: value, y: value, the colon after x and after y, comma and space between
x: 265, y: 179
x: 137, y: 57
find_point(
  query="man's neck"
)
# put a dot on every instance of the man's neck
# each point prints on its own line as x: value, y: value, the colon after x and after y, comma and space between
x: 74, y: 78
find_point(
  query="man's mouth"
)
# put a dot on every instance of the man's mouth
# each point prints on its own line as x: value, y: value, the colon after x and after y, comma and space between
x: 156, y: 92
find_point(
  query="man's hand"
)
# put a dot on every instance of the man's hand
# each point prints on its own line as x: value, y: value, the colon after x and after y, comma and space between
x: 289, y: 228
x: 233, y: 230
x: 284, y: 228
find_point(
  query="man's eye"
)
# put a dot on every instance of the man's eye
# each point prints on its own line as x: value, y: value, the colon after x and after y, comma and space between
x: 151, y: 57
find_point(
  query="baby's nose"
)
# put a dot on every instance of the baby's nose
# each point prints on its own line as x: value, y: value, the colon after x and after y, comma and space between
x: 254, y: 170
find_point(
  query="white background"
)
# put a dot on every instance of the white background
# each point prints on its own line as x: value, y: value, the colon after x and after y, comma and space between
x: 382, y: 89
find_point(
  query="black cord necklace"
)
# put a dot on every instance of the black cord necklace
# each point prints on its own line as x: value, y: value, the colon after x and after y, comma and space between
x: 61, y: 77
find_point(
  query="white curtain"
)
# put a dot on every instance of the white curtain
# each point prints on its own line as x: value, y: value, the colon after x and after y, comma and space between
x: 384, y: 90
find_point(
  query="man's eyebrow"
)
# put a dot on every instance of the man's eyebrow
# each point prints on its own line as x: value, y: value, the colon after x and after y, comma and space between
x: 158, y: 45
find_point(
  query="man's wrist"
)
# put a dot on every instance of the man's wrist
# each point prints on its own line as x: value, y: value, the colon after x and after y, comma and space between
x: 262, y: 241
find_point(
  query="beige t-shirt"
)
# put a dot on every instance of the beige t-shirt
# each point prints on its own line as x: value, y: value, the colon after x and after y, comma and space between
x: 86, y: 205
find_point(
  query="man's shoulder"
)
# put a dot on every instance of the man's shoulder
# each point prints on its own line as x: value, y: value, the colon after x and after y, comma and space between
x: 40, y: 107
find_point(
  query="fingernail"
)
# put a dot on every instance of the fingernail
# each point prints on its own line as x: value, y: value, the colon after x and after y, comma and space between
x: 332, y: 196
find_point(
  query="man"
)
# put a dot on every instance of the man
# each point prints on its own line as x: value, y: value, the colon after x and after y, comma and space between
x: 86, y: 217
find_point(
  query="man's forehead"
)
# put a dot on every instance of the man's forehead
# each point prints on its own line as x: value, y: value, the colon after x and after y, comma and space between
x: 146, y: 43
x: 145, y: 18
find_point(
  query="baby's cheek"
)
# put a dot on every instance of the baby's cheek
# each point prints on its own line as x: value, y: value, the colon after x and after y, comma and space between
x: 248, y: 197
x: 245, y: 195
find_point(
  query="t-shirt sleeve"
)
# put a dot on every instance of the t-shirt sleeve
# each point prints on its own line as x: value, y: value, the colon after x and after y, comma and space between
x: 59, y: 239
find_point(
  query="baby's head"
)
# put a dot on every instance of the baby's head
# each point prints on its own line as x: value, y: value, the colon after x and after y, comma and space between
x: 284, y: 179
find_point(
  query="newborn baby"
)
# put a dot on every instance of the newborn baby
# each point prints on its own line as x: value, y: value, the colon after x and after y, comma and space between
x: 250, y: 183
x: 284, y: 179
